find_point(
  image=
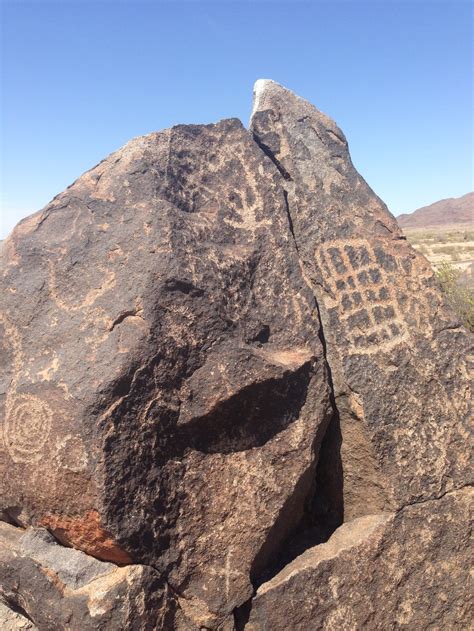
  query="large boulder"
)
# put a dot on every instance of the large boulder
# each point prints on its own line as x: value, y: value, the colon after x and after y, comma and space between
x: 164, y: 389
x: 408, y: 570
x: 233, y: 387
x: 398, y: 356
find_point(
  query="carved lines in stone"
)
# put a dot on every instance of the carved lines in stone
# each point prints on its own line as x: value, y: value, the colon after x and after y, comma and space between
x: 362, y: 295
x: 28, y: 418
x: 107, y: 282
x: 27, y: 427
x: 251, y: 204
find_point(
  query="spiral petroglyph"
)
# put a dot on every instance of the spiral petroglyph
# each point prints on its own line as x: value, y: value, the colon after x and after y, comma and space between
x: 28, y: 418
x: 27, y: 427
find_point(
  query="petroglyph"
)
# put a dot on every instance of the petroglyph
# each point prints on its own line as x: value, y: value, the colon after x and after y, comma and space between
x: 71, y: 454
x: 12, y: 338
x: 230, y: 574
x: 47, y: 373
x: 247, y: 209
x: 362, y: 297
x: 28, y: 419
x: 107, y: 282
x: 27, y: 427
x: 193, y: 187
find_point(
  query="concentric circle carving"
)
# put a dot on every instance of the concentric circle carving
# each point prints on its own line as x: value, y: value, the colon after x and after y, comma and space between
x: 27, y: 427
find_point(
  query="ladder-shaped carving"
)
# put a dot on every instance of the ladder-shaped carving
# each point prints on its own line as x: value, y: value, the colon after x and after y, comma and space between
x: 370, y: 295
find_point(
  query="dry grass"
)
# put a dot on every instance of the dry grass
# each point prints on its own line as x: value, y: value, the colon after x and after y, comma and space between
x: 450, y: 250
x: 452, y: 244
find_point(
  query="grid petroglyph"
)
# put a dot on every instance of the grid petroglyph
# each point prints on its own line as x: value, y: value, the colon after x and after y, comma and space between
x: 370, y: 294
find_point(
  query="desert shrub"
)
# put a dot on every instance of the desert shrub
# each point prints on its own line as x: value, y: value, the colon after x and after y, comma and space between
x: 447, y: 250
x: 460, y: 297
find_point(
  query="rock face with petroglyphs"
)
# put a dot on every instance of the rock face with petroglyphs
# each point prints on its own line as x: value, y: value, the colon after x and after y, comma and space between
x: 398, y: 357
x: 166, y: 385
x: 232, y: 395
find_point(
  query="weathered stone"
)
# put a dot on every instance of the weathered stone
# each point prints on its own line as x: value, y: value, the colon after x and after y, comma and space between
x: 59, y: 588
x: 173, y: 408
x: 408, y: 570
x: 398, y: 356
x: 11, y: 620
x: 164, y: 384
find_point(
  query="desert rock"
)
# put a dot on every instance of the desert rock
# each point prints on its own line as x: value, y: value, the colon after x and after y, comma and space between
x: 398, y: 357
x: 388, y: 571
x: 165, y: 385
x: 11, y: 620
x: 59, y: 588
x: 232, y: 394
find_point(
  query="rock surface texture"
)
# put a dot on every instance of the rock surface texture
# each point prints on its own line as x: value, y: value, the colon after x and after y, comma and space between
x: 59, y: 588
x: 397, y: 356
x: 387, y: 571
x: 232, y: 395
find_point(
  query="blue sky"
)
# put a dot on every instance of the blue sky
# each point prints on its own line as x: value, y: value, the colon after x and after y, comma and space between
x: 80, y: 78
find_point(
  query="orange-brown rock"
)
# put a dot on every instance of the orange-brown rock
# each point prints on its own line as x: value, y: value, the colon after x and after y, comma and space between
x: 85, y: 533
x: 56, y: 588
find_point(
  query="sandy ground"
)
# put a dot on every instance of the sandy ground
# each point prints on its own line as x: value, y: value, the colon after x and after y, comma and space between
x: 451, y: 243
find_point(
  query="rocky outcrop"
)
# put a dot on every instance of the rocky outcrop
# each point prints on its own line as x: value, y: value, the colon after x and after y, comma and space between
x: 227, y: 384
x: 398, y: 357
x: 59, y: 588
x: 385, y: 571
x: 168, y: 389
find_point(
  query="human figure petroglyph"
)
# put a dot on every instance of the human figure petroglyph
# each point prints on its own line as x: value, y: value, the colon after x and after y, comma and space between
x: 195, y: 192
x: 250, y: 206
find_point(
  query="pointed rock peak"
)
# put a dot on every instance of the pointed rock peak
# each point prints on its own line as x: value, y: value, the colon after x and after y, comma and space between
x: 266, y: 92
x: 270, y: 95
x: 377, y: 300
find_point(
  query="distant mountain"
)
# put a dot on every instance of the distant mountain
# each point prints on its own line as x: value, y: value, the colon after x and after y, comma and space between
x: 446, y: 211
